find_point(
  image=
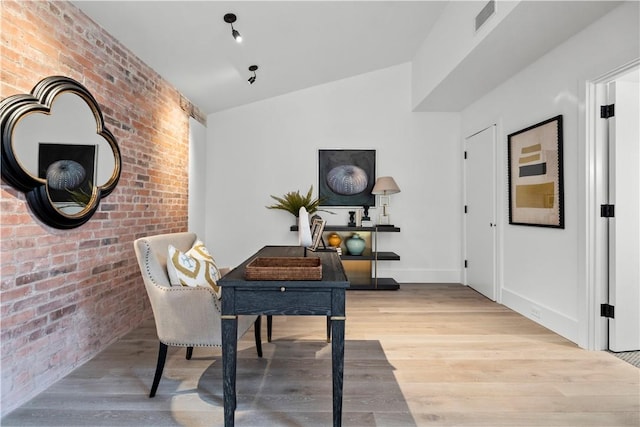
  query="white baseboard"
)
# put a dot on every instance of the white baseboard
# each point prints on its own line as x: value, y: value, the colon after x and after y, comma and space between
x: 421, y: 275
x: 551, y: 319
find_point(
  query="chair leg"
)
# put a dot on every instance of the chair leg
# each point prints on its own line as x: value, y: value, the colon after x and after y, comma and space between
x: 189, y: 352
x: 328, y: 328
x: 269, y: 327
x: 257, y: 330
x: 162, y: 356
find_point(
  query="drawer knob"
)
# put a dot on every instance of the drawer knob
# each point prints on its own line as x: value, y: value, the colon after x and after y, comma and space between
x: 282, y: 289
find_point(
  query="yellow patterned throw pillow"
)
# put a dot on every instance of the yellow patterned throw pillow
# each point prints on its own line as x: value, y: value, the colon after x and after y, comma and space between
x: 196, y: 267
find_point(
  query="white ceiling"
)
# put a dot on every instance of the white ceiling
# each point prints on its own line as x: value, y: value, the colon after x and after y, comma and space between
x: 296, y: 44
x: 527, y: 33
x: 300, y: 44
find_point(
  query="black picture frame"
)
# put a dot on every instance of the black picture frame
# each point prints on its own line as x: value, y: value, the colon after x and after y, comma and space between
x: 346, y: 177
x: 317, y: 228
x: 535, y: 175
x: 85, y: 155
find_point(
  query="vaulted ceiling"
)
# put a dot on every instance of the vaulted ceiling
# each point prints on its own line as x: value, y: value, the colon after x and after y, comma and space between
x: 296, y: 44
x: 300, y: 44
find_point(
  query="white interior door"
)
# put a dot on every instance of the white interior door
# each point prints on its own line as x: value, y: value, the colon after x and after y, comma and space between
x: 480, y: 217
x: 624, y: 227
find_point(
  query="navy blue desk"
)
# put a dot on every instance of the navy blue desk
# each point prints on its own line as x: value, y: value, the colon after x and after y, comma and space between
x: 325, y: 297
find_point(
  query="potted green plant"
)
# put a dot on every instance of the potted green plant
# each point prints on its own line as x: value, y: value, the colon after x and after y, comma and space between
x: 293, y: 201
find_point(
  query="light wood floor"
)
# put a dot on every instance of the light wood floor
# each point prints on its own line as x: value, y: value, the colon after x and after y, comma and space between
x: 426, y: 355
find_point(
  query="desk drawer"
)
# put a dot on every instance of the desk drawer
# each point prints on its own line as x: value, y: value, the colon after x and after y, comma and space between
x: 283, y: 301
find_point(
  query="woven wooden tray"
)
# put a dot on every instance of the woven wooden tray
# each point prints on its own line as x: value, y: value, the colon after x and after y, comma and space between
x: 284, y: 268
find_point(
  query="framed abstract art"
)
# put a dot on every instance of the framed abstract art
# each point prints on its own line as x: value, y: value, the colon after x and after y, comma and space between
x: 536, y: 193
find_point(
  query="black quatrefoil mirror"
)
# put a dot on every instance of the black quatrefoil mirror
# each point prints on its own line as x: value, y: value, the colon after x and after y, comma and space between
x: 57, y: 151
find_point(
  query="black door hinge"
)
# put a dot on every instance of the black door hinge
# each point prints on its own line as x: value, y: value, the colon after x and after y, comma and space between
x: 466, y: 263
x: 607, y: 310
x: 465, y: 155
x: 607, y: 111
x: 465, y: 208
x: 607, y: 211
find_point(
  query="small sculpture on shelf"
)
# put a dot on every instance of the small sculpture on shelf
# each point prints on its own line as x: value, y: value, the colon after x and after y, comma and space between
x: 352, y: 219
x: 366, y: 219
x: 365, y: 214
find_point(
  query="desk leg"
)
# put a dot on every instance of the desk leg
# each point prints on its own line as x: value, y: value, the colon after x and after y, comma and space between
x: 337, y: 359
x: 229, y: 355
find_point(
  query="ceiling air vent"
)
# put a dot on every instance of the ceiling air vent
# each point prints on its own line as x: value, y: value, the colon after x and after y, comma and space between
x: 486, y: 12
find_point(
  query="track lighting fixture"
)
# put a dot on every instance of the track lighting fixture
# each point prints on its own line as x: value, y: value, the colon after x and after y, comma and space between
x: 230, y: 18
x: 253, y: 69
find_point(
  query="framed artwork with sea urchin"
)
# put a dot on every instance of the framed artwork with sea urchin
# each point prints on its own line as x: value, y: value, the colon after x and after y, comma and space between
x: 69, y: 170
x: 346, y: 177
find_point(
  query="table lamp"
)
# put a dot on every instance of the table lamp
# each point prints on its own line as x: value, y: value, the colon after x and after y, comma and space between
x: 385, y: 185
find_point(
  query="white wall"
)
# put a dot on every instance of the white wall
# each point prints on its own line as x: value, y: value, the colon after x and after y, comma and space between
x: 271, y: 147
x: 197, y: 172
x: 545, y: 268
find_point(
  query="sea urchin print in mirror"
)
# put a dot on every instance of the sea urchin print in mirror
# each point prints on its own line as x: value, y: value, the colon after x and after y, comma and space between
x: 346, y: 177
x: 65, y: 175
x: 56, y: 150
x: 347, y: 180
x: 69, y: 172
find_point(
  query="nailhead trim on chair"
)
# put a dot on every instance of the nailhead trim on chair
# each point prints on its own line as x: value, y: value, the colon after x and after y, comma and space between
x: 190, y: 345
x: 147, y: 253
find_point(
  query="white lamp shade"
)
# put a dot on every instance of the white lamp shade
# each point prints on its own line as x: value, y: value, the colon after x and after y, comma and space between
x: 385, y: 185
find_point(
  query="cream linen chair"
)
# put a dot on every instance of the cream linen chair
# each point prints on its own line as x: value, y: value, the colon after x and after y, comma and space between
x: 184, y: 316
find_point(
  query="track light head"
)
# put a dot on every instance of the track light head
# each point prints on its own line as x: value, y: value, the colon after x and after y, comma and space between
x: 230, y: 18
x: 253, y: 69
x: 236, y: 35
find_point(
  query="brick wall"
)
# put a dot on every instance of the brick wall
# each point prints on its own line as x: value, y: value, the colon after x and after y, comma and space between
x: 66, y: 294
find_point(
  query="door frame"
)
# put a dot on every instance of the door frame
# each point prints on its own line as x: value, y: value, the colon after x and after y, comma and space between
x: 498, y: 184
x: 593, y: 333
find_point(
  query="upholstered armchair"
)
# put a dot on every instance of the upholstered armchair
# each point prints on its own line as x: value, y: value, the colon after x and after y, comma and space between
x: 184, y: 316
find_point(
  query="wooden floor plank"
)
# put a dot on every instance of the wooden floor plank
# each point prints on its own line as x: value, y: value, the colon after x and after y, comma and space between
x: 426, y: 355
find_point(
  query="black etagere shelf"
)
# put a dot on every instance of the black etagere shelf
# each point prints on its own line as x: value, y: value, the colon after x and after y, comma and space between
x: 371, y: 255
